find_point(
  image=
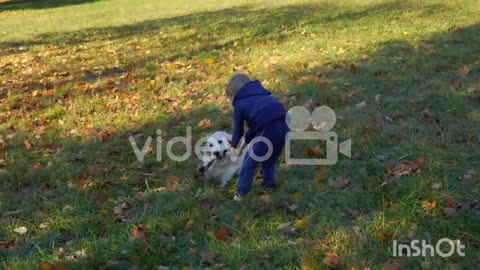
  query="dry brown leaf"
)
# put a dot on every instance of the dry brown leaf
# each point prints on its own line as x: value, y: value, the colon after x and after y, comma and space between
x: 313, y: 152
x: 409, y: 167
x: 220, y: 234
x: 46, y: 266
x: 27, y: 144
x: 450, y: 202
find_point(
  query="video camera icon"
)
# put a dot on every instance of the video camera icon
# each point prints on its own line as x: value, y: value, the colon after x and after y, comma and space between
x: 322, y: 119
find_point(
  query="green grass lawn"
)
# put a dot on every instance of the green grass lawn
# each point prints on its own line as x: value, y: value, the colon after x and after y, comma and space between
x: 78, y: 77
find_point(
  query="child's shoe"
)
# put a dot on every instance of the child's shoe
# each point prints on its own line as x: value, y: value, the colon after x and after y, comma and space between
x: 237, y: 197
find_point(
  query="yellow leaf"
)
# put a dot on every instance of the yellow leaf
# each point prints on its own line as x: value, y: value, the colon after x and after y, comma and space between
x: 301, y: 223
x: 319, y: 177
x: 237, y: 217
x: 152, y: 82
x: 205, y: 123
x: 210, y: 61
x: 429, y: 205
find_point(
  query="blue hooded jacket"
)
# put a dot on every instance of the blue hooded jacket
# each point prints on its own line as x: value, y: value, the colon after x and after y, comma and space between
x: 254, y: 104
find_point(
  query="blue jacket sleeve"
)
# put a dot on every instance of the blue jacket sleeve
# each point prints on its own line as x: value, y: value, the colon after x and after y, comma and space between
x: 237, y: 128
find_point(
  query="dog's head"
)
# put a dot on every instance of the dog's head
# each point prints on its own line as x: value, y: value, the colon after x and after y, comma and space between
x: 216, y: 147
x: 218, y: 144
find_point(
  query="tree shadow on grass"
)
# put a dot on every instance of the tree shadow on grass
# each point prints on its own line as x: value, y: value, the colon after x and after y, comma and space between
x: 11, y: 5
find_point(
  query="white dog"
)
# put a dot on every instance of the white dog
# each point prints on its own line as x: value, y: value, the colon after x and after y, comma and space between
x: 220, y: 160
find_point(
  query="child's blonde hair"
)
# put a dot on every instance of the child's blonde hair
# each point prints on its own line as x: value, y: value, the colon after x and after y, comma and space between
x: 235, y: 83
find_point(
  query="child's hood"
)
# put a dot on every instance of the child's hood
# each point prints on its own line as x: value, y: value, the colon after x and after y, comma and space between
x: 253, y: 88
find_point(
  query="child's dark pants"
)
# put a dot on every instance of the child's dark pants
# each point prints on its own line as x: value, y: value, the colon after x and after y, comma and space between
x: 275, y: 133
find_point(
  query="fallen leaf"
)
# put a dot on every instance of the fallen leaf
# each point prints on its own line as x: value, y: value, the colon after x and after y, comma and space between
x: 21, y: 230
x: 408, y: 167
x: 265, y: 198
x: 319, y: 176
x: 382, y: 235
x: 455, y: 83
x: 301, y: 223
x: 172, y: 181
x: 210, y: 61
x: 450, y: 202
x: 340, y: 182
x: 427, y: 205
x: 313, y: 152
x: 392, y: 265
x: 27, y: 144
x: 331, y: 259
x: 205, y: 123
x: 46, y: 266
x: 413, y: 230
x: 464, y: 70
x: 118, y: 209
x: 328, y: 241
x: 138, y: 233
x: 437, y: 186
x: 361, y: 105
x: 208, y: 257
x: 220, y: 234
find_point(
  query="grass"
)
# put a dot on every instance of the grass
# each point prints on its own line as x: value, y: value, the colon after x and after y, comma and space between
x: 77, y: 78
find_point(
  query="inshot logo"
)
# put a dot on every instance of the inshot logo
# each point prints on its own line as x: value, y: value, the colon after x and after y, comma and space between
x: 424, y: 249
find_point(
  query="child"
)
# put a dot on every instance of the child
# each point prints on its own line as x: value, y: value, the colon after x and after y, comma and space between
x: 265, y: 117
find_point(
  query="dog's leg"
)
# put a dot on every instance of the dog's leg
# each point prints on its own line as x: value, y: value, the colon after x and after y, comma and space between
x: 224, y: 181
